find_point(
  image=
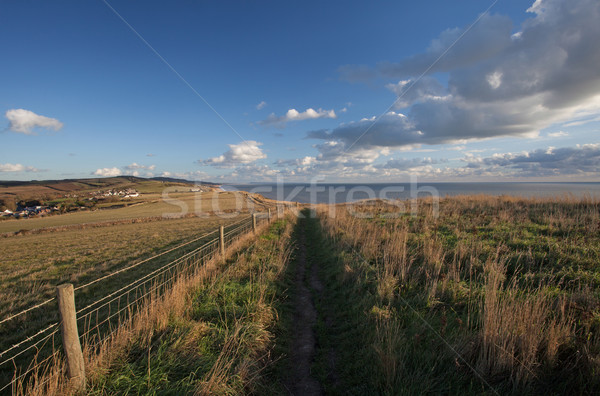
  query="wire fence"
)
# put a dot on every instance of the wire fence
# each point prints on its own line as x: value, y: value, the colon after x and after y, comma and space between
x: 112, y: 301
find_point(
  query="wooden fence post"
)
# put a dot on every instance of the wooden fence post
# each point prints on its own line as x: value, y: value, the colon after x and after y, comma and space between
x: 269, y: 214
x: 254, y: 222
x: 222, y: 240
x: 65, y: 295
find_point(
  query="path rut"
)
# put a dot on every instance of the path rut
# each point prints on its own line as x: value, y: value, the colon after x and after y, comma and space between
x: 305, y: 317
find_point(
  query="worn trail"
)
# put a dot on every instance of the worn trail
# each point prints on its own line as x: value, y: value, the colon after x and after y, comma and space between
x: 304, y: 346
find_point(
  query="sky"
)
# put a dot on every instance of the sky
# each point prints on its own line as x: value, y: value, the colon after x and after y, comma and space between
x: 337, y: 91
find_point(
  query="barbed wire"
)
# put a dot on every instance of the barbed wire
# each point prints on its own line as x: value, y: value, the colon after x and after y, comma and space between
x: 30, y: 338
x: 169, y: 272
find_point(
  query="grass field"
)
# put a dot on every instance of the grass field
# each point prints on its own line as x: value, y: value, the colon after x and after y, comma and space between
x: 148, y: 205
x: 494, y: 295
x: 80, y: 246
x: 210, y: 334
x: 481, y: 295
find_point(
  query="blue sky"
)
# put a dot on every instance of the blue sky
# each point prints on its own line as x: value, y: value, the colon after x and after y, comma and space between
x: 336, y: 91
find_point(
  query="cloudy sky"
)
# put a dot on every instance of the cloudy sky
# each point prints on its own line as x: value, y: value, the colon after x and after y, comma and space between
x: 470, y: 90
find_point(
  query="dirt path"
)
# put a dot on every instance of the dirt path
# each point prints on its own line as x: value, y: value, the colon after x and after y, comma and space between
x: 301, y: 381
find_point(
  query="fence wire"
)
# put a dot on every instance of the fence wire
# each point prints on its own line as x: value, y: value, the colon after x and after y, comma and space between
x: 109, y: 310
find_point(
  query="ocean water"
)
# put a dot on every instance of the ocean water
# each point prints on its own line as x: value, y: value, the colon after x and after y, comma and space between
x: 338, y: 193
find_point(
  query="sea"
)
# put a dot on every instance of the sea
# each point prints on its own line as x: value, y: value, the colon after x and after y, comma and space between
x: 339, y: 193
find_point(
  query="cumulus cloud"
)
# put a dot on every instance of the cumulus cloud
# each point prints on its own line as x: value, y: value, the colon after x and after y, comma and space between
x: 17, y: 168
x: 108, y: 172
x: 136, y: 166
x: 499, y: 83
x: 253, y: 172
x: 410, y: 92
x: 489, y: 37
x: 242, y: 153
x: 133, y: 169
x: 413, y: 163
x: 295, y: 115
x: 261, y: 105
x: 25, y: 121
x: 305, y: 161
x: 579, y: 160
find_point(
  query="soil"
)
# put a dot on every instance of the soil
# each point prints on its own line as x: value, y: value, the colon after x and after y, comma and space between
x: 301, y: 382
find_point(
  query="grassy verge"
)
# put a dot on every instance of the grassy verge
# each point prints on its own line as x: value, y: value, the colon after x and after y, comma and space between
x: 214, y: 338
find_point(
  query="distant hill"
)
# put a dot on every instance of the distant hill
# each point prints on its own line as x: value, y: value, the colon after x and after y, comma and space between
x: 174, y: 180
x: 12, y: 191
x: 79, y: 184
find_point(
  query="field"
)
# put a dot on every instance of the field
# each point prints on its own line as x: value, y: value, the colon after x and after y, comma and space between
x: 476, y: 295
x: 488, y: 295
x: 77, y: 246
x: 175, y: 204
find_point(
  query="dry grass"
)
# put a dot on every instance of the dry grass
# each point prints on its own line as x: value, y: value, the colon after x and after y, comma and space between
x: 521, y: 328
x: 509, y: 283
x: 33, y: 264
x: 174, y: 204
x: 243, y: 347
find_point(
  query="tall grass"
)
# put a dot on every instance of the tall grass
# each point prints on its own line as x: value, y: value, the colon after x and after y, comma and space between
x: 184, y: 327
x: 502, y: 291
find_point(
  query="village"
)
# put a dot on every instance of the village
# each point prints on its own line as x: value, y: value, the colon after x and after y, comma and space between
x: 67, y: 203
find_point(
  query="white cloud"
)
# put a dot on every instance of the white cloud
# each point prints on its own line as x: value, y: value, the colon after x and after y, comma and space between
x: 498, y: 85
x: 558, y: 134
x: 457, y: 148
x: 242, y: 153
x: 581, y: 160
x: 582, y: 122
x: 17, y: 168
x: 295, y: 115
x: 261, y: 105
x: 107, y: 172
x: 133, y: 169
x: 413, y: 91
x: 136, y: 166
x: 193, y: 176
x: 494, y: 79
x: 25, y: 121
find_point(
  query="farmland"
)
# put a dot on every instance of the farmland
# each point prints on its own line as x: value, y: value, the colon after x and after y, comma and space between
x: 471, y: 295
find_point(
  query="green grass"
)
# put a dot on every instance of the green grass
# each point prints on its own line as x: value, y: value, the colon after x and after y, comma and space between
x: 493, y: 296
x: 429, y: 335
x: 221, y: 343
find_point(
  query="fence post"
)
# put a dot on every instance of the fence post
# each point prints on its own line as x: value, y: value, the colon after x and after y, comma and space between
x: 222, y: 240
x: 269, y: 214
x: 254, y: 222
x: 65, y: 295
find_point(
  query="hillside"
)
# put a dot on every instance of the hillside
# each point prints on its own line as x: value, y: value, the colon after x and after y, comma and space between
x: 12, y: 192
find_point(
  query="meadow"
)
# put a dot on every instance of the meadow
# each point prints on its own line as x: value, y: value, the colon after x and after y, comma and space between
x: 84, y: 246
x: 485, y: 295
x: 468, y: 295
x: 173, y: 204
x: 46, y: 251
